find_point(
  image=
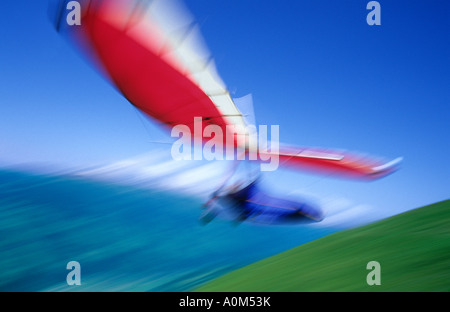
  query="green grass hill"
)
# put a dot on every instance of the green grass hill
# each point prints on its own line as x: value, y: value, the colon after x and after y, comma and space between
x: 412, y: 248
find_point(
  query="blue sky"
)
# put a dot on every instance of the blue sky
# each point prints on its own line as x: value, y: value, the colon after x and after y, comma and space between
x: 313, y: 67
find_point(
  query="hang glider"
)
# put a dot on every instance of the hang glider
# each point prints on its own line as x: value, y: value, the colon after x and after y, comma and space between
x: 153, y: 53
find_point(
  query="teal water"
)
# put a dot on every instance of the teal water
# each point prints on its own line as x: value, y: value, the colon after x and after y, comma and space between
x: 125, y: 238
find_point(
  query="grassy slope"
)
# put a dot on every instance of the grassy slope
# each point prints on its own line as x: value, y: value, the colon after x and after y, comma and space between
x: 413, y: 250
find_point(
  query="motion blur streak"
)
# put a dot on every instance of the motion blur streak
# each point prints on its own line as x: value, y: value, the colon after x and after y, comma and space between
x: 125, y: 237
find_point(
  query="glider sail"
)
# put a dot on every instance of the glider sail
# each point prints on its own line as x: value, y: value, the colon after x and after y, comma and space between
x: 155, y: 57
x: 153, y: 53
x: 336, y: 163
